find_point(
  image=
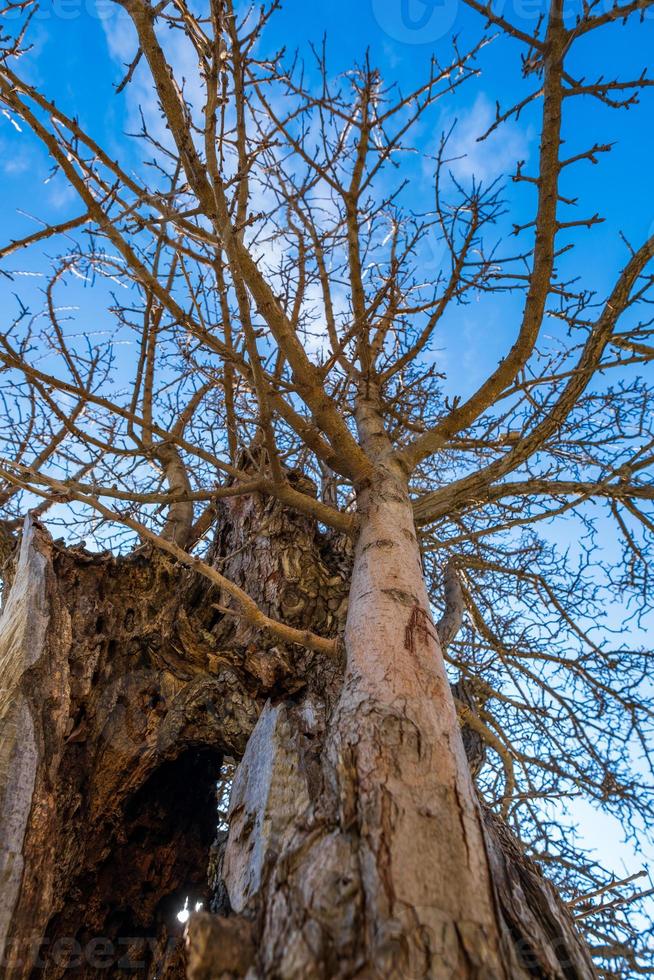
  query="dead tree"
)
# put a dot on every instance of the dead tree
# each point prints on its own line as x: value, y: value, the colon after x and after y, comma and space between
x: 274, y: 494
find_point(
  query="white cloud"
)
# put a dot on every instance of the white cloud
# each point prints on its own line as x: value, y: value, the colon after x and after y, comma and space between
x: 496, y: 155
x: 15, y: 157
x: 141, y: 96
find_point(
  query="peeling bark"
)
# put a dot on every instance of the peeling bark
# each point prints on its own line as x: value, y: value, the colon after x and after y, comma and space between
x: 541, y: 927
x: 117, y: 745
x: 22, y: 637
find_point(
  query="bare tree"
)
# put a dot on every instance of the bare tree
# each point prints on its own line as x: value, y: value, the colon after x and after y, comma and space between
x: 281, y: 496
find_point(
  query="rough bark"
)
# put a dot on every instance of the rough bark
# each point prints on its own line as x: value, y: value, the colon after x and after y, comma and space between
x: 356, y: 843
x: 356, y: 840
x: 116, y: 741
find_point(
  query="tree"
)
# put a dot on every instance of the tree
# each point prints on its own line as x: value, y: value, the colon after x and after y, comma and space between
x: 286, y: 497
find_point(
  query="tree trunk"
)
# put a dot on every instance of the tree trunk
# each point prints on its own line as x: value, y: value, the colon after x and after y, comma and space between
x: 356, y: 843
x: 110, y: 749
x: 356, y: 839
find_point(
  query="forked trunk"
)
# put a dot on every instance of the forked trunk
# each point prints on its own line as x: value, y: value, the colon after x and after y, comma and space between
x: 356, y: 844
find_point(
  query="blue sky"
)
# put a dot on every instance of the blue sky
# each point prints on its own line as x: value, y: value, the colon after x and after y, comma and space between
x: 78, y: 46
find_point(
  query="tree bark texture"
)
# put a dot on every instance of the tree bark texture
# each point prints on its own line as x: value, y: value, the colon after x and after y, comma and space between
x: 356, y: 845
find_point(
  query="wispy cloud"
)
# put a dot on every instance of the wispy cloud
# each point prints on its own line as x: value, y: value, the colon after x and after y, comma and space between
x: 141, y: 99
x: 496, y: 155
